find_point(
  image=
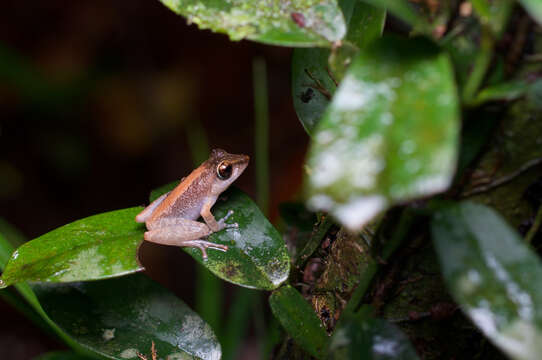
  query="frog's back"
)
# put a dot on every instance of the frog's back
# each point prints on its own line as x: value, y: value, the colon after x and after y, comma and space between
x: 187, y: 199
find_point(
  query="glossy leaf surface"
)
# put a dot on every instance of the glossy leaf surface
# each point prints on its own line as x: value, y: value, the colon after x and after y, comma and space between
x: 97, y: 247
x: 296, y: 23
x: 389, y: 135
x: 117, y: 318
x: 313, y: 82
x: 299, y: 320
x: 493, y: 275
x: 257, y: 256
x: 370, y: 339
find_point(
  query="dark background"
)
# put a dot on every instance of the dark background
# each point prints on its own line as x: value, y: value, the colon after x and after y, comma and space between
x: 96, y: 101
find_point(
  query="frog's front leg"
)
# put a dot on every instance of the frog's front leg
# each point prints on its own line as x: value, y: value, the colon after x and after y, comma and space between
x: 210, y: 220
x: 183, y: 232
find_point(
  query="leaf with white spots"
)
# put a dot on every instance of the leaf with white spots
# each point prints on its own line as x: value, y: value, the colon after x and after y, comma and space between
x: 362, y: 337
x: 257, y: 256
x: 97, y: 247
x: 118, y: 318
x: 389, y: 135
x: 287, y: 23
x: 493, y: 275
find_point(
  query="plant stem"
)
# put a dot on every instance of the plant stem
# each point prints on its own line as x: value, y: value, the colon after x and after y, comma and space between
x: 405, y: 223
x: 208, y: 286
x: 535, y: 227
x: 481, y: 64
x: 237, y: 324
x: 197, y: 141
x: 261, y: 138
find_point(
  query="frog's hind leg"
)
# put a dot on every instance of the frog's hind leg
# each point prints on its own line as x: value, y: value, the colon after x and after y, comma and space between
x: 183, y: 232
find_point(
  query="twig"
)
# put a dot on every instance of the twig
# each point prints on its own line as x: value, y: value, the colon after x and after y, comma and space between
x: 503, y: 180
x: 319, y: 86
x: 534, y: 228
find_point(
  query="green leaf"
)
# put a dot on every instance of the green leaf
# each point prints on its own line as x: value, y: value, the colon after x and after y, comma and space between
x: 26, y: 292
x: 296, y: 23
x: 365, y: 24
x: 534, y: 8
x: 507, y: 91
x: 117, y: 318
x: 403, y: 10
x: 97, y: 247
x: 368, y: 338
x: 493, y: 275
x: 390, y: 134
x: 299, y: 320
x: 257, y: 256
x: 62, y: 355
x: 313, y: 84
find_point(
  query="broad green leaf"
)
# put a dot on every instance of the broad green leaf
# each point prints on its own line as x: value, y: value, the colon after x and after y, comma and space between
x: 370, y: 339
x: 493, y: 275
x: 257, y: 256
x: 299, y: 320
x: 313, y: 82
x: 296, y: 23
x: 117, y: 318
x: 504, y: 91
x: 534, y: 8
x: 26, y: 292
x: 97, y: 247
x: 62, y: 355
x: 390, y: 134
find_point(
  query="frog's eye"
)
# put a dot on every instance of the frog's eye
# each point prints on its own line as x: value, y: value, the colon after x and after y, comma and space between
x: 223, y: 171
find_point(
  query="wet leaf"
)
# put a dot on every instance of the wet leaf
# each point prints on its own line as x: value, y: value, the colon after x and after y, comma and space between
x: 28, y: 294
x: 296, y: 23
x: 493, y: 275
x: 96, y: 247
x: 390, y: 134
x: 534, y: 8
x: 368, y: 338
x: 299, y: 320
x: 117, y: 318
x: 313, y: 83
x: 257, y: 256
